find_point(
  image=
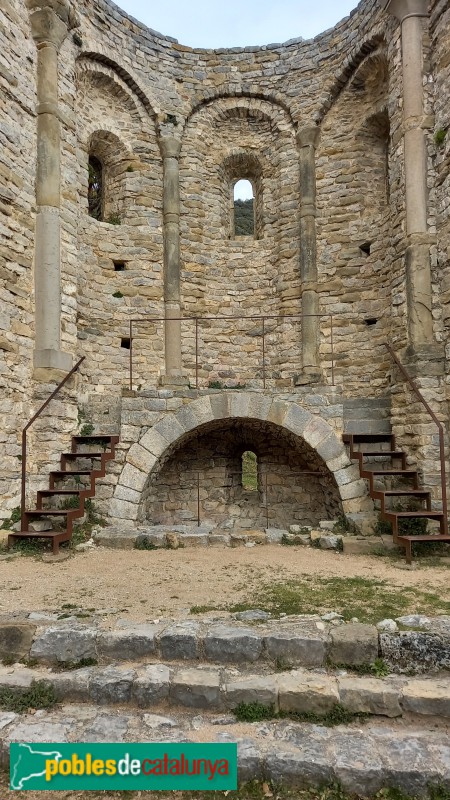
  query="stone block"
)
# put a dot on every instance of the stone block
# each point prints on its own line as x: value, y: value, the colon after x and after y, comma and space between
x: 18, y: 678
x: 194, y: 540
x: 196, y: 688
x: 353, y: 644
x: 73, y: 686
x: 370, y: 696
x: 358, y: 766
x: 274, y: 535
x: 262, y: 690
x: 415, y: 651
x: 111, y: 537
x: 219, y: 539
x: 151, y: 686
x: 304, y: 693
x: 127, y: 645
x: 297, y: 419
x: 239, y: 404
x: 111, y: 685
x: 431, y: 697
x: 154, y: 442
x: 180, y: 642
x: 141, y: 458
x: 329, y: 542
x: 65, y: 645
x: 358, y: 545
x: 305, y: 648
x: 225, y: 644
x: 16, y: 639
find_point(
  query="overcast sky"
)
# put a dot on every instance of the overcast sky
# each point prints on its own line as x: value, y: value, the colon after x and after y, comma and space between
x: 237, y: 23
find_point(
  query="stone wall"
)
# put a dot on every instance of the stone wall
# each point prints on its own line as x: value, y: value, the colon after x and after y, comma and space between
x: 250, y: 112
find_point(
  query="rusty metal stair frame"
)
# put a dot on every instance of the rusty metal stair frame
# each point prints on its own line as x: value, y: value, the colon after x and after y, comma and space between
x: 390, y: 515
x: 55, y: 476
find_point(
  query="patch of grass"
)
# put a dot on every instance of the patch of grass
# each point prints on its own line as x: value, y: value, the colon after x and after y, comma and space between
x: 15, y: 517
x: 39, y: 695
x: 345, y: 525
x: 368, y: 599
x: 83, y: 662
x: 257, y: 712
x: 142, y: 543
x: 249, y: 471
x: 378, y: 668
x: 87, y: 429
x: 215, y: 385
x: 203, y: 609
x: 440, y: 136
x: 114, y: 219
x: 29, y: 547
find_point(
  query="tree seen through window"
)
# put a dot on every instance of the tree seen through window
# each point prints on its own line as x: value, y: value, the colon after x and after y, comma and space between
x: 244, y: 214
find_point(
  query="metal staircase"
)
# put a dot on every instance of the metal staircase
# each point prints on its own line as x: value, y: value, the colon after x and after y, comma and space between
x: 373, y: 450
x: 77, y: 482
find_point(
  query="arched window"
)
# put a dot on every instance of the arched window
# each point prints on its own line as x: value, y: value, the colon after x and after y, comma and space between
x: 244, y: 210
x: 249, y: 473
x: 95, y: 188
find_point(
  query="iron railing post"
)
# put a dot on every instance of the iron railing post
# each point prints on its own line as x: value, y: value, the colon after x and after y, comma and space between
x: 264, y: 351
x: 131, y: 355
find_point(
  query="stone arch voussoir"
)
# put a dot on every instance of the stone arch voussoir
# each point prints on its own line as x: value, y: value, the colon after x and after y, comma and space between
x: 144, y: 457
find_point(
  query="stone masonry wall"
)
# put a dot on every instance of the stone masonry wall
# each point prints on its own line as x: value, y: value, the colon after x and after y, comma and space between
x: 237, y: 113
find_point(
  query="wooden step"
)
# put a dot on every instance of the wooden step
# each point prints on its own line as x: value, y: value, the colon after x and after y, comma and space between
x: 402, y: 492
x: 64, y: 473
x: 381, y: 453
x: 49, y: 512
x: 405, y: 472
x: 97, y: 437
x: 73, y: 456
x: 424, y: 514
x: 51, y: 492
x: 367, y: 437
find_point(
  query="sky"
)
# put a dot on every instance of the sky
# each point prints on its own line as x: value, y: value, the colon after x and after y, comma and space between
x: 238, y: 23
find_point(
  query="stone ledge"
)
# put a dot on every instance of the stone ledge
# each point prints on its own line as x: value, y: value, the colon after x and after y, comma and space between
x: 218, y: 688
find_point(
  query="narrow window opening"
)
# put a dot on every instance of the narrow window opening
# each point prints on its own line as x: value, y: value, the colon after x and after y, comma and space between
x: 371, y: 321
x: 95, y: 188
x: 249, y: 471
x: 125, y: 342
x: 365, y: 248
x: 119, y: 266
x: 244, y: 208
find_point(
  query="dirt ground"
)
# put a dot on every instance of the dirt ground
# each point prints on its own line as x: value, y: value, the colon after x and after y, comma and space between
x: 146, y: 585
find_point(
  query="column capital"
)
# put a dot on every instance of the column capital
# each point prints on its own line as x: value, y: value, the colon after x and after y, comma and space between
x: 405, y: 8
x: 51, y: 20
x: 309, y: 136
x: 170, y: 146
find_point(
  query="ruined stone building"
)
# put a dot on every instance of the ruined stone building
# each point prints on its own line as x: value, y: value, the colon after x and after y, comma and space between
x: 120, y: 150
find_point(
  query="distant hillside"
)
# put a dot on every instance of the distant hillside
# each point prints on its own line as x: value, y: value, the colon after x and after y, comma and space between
x: 243, y: 218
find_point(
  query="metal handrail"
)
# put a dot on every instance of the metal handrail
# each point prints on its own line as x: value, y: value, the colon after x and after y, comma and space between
x: 433, y: 416
x: 24, y: 440
x: 226, y: 318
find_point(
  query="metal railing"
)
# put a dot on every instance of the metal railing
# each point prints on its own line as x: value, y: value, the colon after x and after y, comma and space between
x: 433, y: 416
x: 231, y: 319
x: 24, y: 440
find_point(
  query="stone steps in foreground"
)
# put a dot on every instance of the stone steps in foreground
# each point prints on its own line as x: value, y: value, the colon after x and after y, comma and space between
x: 363, y: 759
x: 221, y: 689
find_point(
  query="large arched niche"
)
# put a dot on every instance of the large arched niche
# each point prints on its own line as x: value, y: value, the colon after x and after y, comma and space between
x: 313, y: 440
x: 259, y: 136
x: 354, y: 221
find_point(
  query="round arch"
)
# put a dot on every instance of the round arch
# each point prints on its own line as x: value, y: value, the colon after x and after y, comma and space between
x: 157, y: 444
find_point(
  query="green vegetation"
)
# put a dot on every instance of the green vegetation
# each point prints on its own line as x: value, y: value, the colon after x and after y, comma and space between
x: 215, y: 385
x: 142, y: 543
x: 249, y: 471
x: 440, y: 136
x: 378, y: 668
x: 367, y: 599
x: 344, y: 525
x: 39, y: 695
x: 15, y: 517
x: 257, y: 712
x: 114, y: 219
x: 118, y: 295
x: 244, y: 220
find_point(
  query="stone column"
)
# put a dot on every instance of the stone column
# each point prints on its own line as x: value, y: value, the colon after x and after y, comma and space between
x: 170, y: 149
x: 410, y: 13
x: 307, y: 139
x: 50, y: 22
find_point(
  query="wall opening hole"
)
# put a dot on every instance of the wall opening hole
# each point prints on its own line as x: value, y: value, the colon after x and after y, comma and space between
x: 125, y: 342
x: 244, y: 211
x: 95, y: 188
x: 119, y: 266
x: 371, y: 321
x: 365, y: 248
x: 249, y: 471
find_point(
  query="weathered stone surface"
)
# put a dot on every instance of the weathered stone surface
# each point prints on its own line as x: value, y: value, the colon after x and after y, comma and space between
x: 304, y: 647
x: 262, y: 690
x: 72, y: 687
x: 302, y: 692
x: 15, y: 639
x: 226, y: 644
x: 65, y: 644
x: 370, y: 696
x: 428, y: 697
x: 127, y: 645
x: 358, y: 766
x: 107, y: 728
x: 353, y: 644
x: 151, y: 685
x: 196, y: 688
x: 180, y: 641
x: 414, y: 651
x: 111, y: 685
